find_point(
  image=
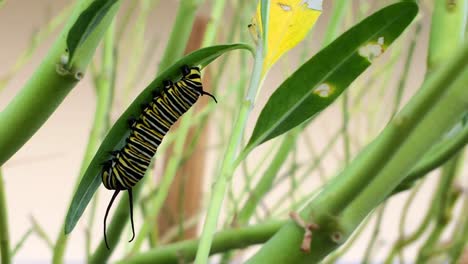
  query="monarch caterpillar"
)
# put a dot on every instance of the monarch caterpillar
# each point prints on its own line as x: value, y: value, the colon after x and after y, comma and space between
x: 128, y: 165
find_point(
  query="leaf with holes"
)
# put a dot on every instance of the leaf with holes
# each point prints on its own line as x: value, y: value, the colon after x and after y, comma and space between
x: 318, y: 82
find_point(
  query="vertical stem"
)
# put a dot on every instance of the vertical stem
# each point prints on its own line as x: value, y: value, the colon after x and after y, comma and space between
x: 375, y: 234
x: 406, y: 69
x: 345, y: 131
x: 213, y: 23
x: 4, y: 229
x: 40, y: 99
x: 445, y: 199
x: 339, y: 13
x: 104, y: 90
x: 460, y: 235
x: 180, y: 32
x: 228, y: 163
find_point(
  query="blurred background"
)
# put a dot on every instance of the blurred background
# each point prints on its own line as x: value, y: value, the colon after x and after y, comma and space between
x: 40, y: 178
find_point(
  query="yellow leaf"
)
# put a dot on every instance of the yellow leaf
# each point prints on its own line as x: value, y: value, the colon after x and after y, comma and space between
x: 289, y: 23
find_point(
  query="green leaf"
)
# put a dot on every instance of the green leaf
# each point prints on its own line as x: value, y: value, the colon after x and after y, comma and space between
x: 88, y: 20
x: 318, y: 82
x: 115, y: 139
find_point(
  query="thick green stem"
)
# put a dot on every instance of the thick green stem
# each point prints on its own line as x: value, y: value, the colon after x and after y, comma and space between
x: 4, y: 229
x: 184, y: 252
x: 378, y: 169
x: 228, y: 164
x: 104, y: 90
x: 446, y: 112
x: 449, y: 23
x: 180, y: 33
x: 33, y: 105
x: 440, y: 153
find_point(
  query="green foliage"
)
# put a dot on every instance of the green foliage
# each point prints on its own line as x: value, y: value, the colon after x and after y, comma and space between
x: 115, y: 138
x: 411, y: 145
x: 86, y: 23
x: 318, y: 82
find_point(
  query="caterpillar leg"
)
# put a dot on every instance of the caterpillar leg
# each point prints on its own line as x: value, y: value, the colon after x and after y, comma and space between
x: 167, y: 84
x: 185, y: 70
x: 131, y: 121
x: 107, y: 213
x: 130, y: 200
x: 114, y: 153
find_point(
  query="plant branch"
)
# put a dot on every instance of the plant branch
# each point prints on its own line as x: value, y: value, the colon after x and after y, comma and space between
x: 378, y: 169
x: 34, y: 104
x: 180, y: 33
x: 104, y: 86
x: 4, y: 228
x: 229, y: 163
x: 223, y: 241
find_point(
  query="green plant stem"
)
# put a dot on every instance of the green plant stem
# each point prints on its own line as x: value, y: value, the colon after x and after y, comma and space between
x: 266, y: 181
x: 180, y: 33
x: 460, y: 235
x: 378, y: 169
x: 445, y: 200
x: 4, y: 228
x: 228, y: 164
x: 448, y: 28
x: 404, y: 241
x: 41, y: 233
x: 133, y: 70
x: 338, y: 14
x: 405, y: 210
x: 375, y: 234
x: 448, y: 110
x: 213, y: 23
x: 332, y: 258
x: 115, y: 228
x: 447, y: 34
x: 183, y: 252
x: 104, y: 86
x: 36, y: 39
x: 21, y: 242
x: 33, y: 105
x: 406, y: 69
x: 345, y: 127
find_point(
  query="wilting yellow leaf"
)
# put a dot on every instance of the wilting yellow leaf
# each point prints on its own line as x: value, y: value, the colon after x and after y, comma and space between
x: 289, y: 23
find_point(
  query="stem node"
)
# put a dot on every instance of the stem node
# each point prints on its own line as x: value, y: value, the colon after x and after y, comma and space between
x: 308, y: 229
